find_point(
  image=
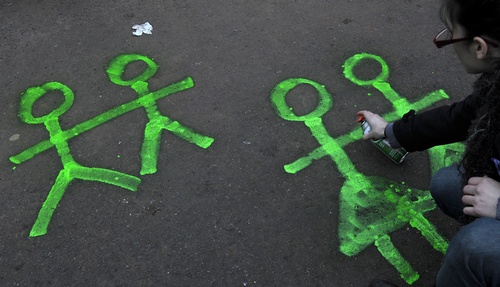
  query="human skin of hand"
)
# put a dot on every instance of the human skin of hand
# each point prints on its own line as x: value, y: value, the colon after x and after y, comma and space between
x: 481, y: 196
x: 377, y: 125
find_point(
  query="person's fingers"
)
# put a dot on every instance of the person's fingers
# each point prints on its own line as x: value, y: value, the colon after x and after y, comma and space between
x: 470, y: 189
x: 469, y: 210
x: 475, y: 180
x: 364, y: 113
x: 468, y: 200
x: 369, y: 115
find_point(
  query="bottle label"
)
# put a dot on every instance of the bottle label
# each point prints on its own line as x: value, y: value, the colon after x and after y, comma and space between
x: 396, y: 155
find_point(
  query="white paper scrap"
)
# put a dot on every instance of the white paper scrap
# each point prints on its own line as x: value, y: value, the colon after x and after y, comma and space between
x: 145, y: 28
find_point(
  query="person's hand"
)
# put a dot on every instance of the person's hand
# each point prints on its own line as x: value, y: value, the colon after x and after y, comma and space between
x: 377, y: 125
x: 481, y: 197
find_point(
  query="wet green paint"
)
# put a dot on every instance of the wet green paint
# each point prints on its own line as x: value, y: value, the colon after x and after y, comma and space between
x: 391, y: 254
x: 371, y: 207
x: 59, y: 138
x: 447, y: 155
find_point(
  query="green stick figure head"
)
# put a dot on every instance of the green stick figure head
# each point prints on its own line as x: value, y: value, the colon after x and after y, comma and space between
x: 284, y: 111
x: 31, y: 95
x: 354, y: 60
x: 118, y: 65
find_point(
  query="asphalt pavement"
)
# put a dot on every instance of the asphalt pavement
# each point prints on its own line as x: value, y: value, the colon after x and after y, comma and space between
x: 219, y: 148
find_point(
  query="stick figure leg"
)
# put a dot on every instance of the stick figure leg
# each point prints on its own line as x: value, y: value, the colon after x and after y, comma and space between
x: 391, y: 254
x: 56, y: 192
x: 150, y: 147
x: 106, y: 176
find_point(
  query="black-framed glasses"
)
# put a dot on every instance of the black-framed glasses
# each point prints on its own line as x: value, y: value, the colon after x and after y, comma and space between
x: 445, y: 38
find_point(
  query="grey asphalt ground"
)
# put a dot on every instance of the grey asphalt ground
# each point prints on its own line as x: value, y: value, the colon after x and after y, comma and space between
x: 228, y: 215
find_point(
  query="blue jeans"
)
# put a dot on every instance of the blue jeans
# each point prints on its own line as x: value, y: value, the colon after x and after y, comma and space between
x: 473, y: 256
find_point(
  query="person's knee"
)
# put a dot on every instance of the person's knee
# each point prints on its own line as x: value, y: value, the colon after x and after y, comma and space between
x: 441, y: 181
x: 475, y: 244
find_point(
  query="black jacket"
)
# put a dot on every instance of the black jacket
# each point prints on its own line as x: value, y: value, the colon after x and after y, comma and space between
x: 442, y: 125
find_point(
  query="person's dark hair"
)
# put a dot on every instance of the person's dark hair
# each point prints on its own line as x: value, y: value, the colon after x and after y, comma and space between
x: 480, y: 18
x: 484, y: 133
x: 477, y: 17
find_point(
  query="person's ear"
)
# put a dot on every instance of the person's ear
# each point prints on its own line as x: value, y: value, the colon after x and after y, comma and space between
x: 480, y: 48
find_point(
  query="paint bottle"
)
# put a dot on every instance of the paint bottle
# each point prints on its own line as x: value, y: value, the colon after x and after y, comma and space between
x: 396, y: 155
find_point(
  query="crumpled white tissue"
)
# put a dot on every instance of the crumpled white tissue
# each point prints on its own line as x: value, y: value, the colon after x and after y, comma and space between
x: 145, y: 28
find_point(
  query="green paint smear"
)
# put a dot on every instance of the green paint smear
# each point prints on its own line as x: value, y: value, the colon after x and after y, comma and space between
x: 447, y: 155
x: 59, y: 138
x: 391, y: 254
x: 371, y: 207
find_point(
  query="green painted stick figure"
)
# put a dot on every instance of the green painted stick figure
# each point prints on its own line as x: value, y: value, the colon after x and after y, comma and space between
x: 89, y: 124
x: 146, y: 99
x: 440, y: 156
x: 370, y: 207
x: 401, y: 105
x: 157, y: 122
x: 59, y: 138
x: 71, y: 169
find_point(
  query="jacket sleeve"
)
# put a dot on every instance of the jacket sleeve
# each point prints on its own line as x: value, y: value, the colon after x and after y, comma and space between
x: 442, y: 125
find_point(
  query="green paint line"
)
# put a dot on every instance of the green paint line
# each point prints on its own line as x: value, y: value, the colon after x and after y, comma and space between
x: 336, y: 152
x: 429, y: 231
x: 71, y: 169
x: 428, y: 100
x: 350, y: 63
x: 117, y: 66
x: 400, y: 104
x: 391, y: 254
x: 374, y: 208
x: 284, y: 111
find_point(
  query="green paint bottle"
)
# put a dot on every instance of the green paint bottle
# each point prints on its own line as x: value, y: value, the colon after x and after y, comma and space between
x: 396, y: 155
